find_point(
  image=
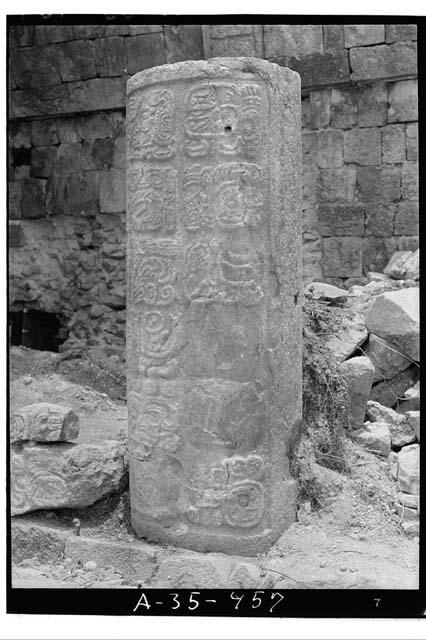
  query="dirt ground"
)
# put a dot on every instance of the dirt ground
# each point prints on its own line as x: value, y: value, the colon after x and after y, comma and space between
x: 351, y: 537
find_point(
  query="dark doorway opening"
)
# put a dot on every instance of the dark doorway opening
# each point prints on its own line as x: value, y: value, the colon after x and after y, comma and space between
x: 35, y: 329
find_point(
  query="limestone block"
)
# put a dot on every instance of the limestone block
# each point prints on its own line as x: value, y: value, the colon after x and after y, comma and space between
x: 403, y: 101
x: 372, y: 104
x: 379, y: 184
x: 393, y: 143
x: 76, y: 61
x: 413, y: 418
x: 36, y: 541
x: 336, y: 185
x: 88, y: 31
x: 44, y: 422
x: 96, y: 94
x: 45, y: 33
x: 330, y: 149
x: 292, y: 40
x: 35, y: 67
x: 334, y: 36
x: 142, y: 29
x: 320, y: 102
x: 19, y: 135
x: 96, y: 125
x: 208, y: 461
x: 43, y: 133
x: 375, y: 437
x: 320, y: 69
x: 112, y: 191
x: 408, y: 500
x: 383, y: 61
x: 184, y: 42
x: 404, y: 265
x: 341, y: 219
x: 344, y: 107
x: 395, y: 32
x: 408, y: 243
x: 342, y: 257
x: 376, y: 252
x: 68, y: 129
x: 324, y: 291
x: 39, y: 102
x: 394, y: 316
x: 410, y: 181
x: 387, y: 360
x: 76, y: 194
x: 349, y: 335
x: 363, y: 146
x: 110, y: 56
x: 409, y: 469
x: 388, y: 392
x: 14, y: 200
x: 358, y: 374
x: 401, y: 431
x: 97, y: 154
x: 411, y: 401
x: 56, y: 476
x: 15, y: 234
x: 412, y: 140
x: 144, y: 51
x: 43, y: 161
x: 188, y: 573
x: 33, y: 198
x: 407, y: 514
x: 21, y: 35
x: 379, y: 219
x: 358, y: 35
x: 249, y: 45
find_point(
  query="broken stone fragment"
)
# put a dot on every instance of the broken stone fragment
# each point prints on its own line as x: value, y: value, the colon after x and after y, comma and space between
x: 325, y: 291
x: 394, y: 316
x: 64, y: 475
x: 358, y: 374
x: 411, y: 401
x: 406, y: 513
x: 407, y: 500
x: 390, y: 391
x: 401, y: 430
x: 404, y: 265
x: 44, y: 422
x: 387, y: 360
x: 409, y: 469
x: 349, y: 335
x: 375, y: 437
x: 413, y: 418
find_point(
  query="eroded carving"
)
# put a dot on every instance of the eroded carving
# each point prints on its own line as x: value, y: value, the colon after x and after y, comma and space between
x: 152, y: 124
x: 152, y: 199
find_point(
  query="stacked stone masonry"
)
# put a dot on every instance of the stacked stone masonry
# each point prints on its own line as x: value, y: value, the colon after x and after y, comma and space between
x: 67, y: 152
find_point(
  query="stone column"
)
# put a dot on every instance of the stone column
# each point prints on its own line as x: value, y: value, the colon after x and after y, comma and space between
x: 214, y: 343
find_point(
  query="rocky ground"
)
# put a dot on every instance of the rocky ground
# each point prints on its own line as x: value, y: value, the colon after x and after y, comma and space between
x: 356, y: 459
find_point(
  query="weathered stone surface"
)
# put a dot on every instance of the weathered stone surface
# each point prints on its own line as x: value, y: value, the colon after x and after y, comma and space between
x: 375, y: 437
x: 233, y: 40
x: 45, y: 33
x: 183, y: 42
x: 43, y: 132
x: 344, y: 107
x: 21, y: 35
x: 409, y: 469
x: 342, y: 257
x: 387, y: 360
x: 320, y: 102
x: 76, y: 60
x: 14, y: 200
x: 188, y: 572
x: 33, y: 198
x: 319, y: 69
x: 96, y: 94
x: 86, y: 31
x: 406, y: 513
x: 363, y: 146
x: 336, y: 185
x: 36, y: 541
x: 412, y: 140
x: 292, y: 40
x: 76, y: 194
x: 395, y: 32
x: 379, y: 184
x: 383, y: 61
x: 358, y: 35
x: 413, y: 418
x: 408, y: 243
x: 410, y: 181
x: 42, y: 161
x: 404, y: 265
x: 110, y: 56
x: 15, y: 234
x: 112, y: 191
x: 358, y: 374
x: 51, y: 476
x: 379, y: 219
x: 324, y: 291
x: 401, y: 431
x: 334, y: 36
x: 411, y: 400
x: 403, y: 101
x: 349, y: 335
x: 408, y: 500
x: 376, y: 252
x: 372, y: 105
x: 44, y: 422
x: 145, y: 51
x: 393, y: 143
x: 330, y: 149
x: 341, y: 219
x: 394, y: 316
x: 35, y: 67
x: 196, y: 299
x: 390, y: 391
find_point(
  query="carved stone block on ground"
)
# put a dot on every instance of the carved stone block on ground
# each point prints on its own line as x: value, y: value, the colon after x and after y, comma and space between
x: 214, y: 311
x: 44, y: 422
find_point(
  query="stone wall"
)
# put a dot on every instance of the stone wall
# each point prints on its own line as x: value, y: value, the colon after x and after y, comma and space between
x: 67, y: 152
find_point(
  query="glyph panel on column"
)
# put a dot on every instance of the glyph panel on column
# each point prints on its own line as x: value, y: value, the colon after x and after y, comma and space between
x: 214, y: 319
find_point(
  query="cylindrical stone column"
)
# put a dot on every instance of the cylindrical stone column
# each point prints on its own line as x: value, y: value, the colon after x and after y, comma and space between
x: 214, y: 342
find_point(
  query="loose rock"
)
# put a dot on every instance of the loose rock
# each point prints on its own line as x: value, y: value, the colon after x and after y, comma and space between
x: 394, y: 316
x: 413, y: 418
x: 350, y: 334
x: 411, y: 400
x: 387, y: 360
x: 409, y: 469
x: 358, y: 374
x: 64, y: 475
x: 390, y: 391
x: 401, y: 431
x: 324, y: 291
x: 44, y: 422
x: 375, y: 437
x: 404, y: 265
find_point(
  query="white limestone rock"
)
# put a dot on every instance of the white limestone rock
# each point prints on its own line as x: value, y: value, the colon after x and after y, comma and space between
x: 52, y: 476
x: 375, y: 437
x: 401, y: 431
x: 387, y: 360
x: 409, y: 469
x: 404, y: 265
x: 394, y: 316
x: 358, y: 374
x: 325, y: 291
x: 413, y: 418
